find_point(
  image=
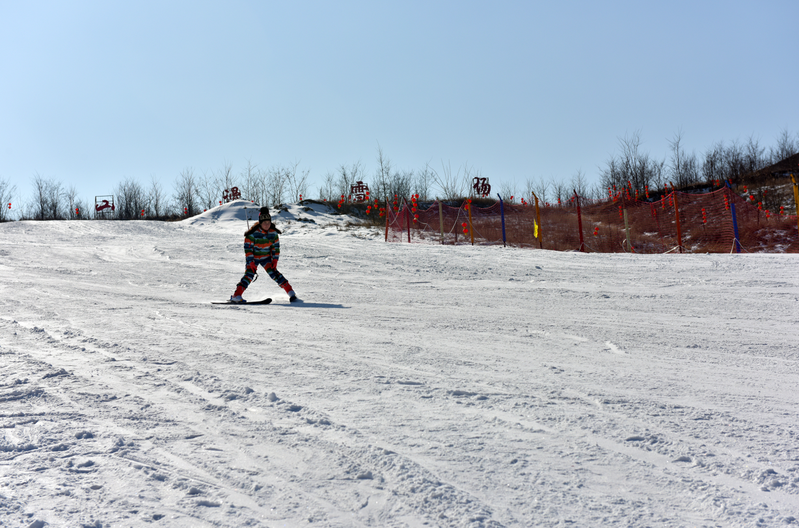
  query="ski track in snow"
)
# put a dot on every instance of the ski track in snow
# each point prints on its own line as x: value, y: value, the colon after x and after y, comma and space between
x: 416, y: 385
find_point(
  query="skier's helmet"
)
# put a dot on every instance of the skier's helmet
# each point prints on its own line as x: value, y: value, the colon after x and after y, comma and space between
x: 263, y: 214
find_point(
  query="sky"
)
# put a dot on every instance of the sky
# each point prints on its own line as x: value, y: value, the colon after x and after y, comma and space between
x: 93, y: 93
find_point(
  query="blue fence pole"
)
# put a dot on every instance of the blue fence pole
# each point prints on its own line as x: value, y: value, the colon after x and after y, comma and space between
x: 502, y: 213
x: 734, y: 222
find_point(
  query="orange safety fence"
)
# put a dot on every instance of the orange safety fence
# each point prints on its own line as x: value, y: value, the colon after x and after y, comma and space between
x: 678, y: 222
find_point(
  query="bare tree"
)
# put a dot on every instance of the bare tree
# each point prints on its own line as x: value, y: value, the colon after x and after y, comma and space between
x: 224, y: 179
x: 39, y: 200
x: 156, y: 199
x: 297, y: 183
x: 677, y: 173
x: 208, y: 191
x: 597, y: 192
x: 423, y: 182
x: 632, y: 167
x: 259, y: 187
x: 691, y: 169
x: 55, y: 200
x: 734, y: 162
x: 275, y: 186
x: 249, y: 181
x: 529, y: 188
x: 48, y: 203
x: 611, y: 176
x: 453, y: 186
x: 785, y: 148
x: 71, y: 194
x: 638, y: 168
x: 269, y: 187
x: 347, y: 176
x: 507, y: 189
x: 580, y: 184
x: 6, y: 195
x: 560, y: 191
x: 713, y: 164
x: 755, y: 155
x: 130, y: 199
x: 186, y: 192
x: 327, y: 190
x: 540, y: 187
x: 401, y: 183
x: 382, y: 183
x: 82, y: 205
x: 655, y: 173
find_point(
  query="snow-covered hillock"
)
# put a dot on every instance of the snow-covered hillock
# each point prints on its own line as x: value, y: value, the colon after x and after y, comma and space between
x: 237, y: 211
x: 292, y: 219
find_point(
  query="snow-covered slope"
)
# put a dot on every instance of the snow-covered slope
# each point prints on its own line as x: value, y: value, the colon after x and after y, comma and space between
x: 416, y: 385
x: 232, y: 216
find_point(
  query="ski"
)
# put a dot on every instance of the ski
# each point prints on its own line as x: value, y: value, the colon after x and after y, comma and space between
x: 265, y: 301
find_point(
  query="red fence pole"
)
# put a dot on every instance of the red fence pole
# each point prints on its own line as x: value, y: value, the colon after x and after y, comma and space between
x: 677, y: 216
x: 388, y: 212
x: 408, y: 216
x: 471, y: 227
x: 441, y: 220
x: 795, y: 198
x: 580, y: 222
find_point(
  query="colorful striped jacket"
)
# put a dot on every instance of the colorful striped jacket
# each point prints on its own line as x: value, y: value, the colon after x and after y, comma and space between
x: 261, y: 247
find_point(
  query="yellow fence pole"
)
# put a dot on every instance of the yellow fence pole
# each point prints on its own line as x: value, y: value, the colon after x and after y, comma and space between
x: 537, y: 232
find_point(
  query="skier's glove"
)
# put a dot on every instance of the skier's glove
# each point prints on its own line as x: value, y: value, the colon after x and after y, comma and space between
x: 252, y: 266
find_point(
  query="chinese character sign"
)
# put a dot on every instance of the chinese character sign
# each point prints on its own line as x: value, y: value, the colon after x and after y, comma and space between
x: 481, y: 187
x: 103, y: 204
x: 360, y: 191
x: 230, y: 195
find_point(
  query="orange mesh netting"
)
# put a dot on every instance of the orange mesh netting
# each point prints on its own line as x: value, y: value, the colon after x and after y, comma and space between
x: 694, y: 223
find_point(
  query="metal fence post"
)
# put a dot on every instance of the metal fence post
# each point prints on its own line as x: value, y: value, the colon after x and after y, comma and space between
x: 537, y: 232
x: 441, y: 219
x: 502, y: 214
x: 580, y: 222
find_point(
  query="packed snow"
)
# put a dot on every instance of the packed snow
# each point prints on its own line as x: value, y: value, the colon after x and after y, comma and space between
x: 414, y: 385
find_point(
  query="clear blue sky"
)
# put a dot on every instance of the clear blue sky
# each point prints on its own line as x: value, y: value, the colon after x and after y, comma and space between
x: 92, y: 92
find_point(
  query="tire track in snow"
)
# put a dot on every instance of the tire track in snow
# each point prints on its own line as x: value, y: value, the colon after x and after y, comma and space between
x: 402, y: 486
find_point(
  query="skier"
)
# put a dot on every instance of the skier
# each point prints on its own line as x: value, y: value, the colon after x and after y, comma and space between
x: 262, y: 246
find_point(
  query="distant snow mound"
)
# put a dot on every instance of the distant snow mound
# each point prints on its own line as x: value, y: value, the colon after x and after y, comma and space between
x: 305, y: 211
x: 237, y: 211
x: 241, y: 212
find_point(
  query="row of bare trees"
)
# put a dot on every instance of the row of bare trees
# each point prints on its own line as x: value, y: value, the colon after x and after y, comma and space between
x: 192, y: 193
x: 270, y: 186
x: 51, y: 201
x: 722, y: 161
x: 632, y: 165
x: 7, y: 191
x: 385, y: 183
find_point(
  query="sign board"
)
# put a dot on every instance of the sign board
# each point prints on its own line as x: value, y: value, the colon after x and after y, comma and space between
x: 230, y: 195
x: 360, y: 191
x: 481, y: 187
x: 104, y: 204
